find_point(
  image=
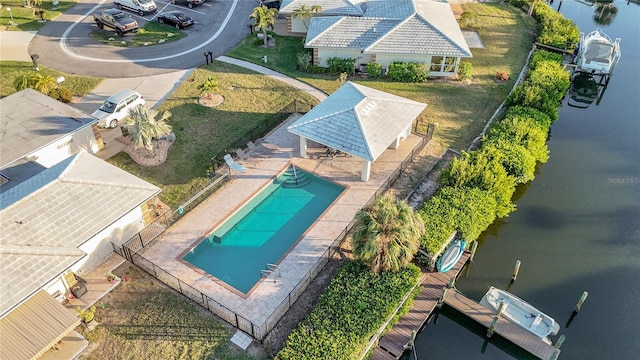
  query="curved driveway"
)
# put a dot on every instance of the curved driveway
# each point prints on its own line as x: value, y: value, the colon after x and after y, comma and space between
x: 64, y: 43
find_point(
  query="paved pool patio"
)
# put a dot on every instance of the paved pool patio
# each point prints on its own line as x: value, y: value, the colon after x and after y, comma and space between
x: 263, y: 305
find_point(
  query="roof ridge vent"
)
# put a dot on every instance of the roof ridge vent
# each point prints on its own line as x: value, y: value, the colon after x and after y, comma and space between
x: 367, y: 108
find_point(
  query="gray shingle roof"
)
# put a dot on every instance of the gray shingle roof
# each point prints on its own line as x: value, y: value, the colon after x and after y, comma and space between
x: 425, y: 27
x: 358, y: 120
x: 329, y: 7
x: 47, y: 217
x: 30, y: 120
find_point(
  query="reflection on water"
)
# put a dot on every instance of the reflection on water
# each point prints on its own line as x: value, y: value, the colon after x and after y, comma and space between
x: 586, y: 89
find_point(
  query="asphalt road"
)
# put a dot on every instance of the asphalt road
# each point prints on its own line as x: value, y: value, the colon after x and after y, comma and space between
x: 64, y: 43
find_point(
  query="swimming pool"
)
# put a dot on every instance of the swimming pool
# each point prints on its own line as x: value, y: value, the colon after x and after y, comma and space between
x: 263, y: 230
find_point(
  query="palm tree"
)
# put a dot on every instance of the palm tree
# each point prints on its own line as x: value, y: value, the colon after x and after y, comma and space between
x: 306, y: 12
x: 387, y: 235
x: 264, y: 18
x: 145, y: 124
x: 37, y: 81
x: 209, y: 86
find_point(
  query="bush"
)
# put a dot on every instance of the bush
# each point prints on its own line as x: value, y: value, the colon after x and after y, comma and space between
x: 354, y: 306
x: 542, y: 55
x: 465, y: 70
x: 477, y: 170
x: 408, y: 72
x: 61, y: 93
x: 340, y: 65
x: 555, y: 29
x: 522, y: 131
x: 514, y: 158
x: 374, y: 69
x: 304, y: 61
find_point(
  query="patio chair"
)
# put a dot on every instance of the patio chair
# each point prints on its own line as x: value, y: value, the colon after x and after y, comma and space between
x: 234, y: 165
x: 241, y: 154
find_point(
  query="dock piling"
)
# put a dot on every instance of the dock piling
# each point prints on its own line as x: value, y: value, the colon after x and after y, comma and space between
x: 474, y: 247
x: 452, y: 282
x: 441, y: 300
x: 516, y: 270
x: 492, y: 327
x: 500, y: 308
x: 580, y: 302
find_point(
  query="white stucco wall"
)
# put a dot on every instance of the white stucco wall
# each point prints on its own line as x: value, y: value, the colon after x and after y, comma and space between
x: 99, y: 247
x: 297, y: 25
x: 324, y: 54
x: 65, y: 147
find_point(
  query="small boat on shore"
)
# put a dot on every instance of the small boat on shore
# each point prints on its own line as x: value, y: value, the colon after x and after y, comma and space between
x: 521, y: 313
x: 451, y: 256
x: 597, y: 53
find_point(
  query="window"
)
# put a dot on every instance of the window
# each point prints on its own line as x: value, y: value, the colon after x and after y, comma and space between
x: 436, y: 63
x: 443, y: 64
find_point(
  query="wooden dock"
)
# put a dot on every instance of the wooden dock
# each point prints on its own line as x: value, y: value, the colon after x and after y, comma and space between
x: 391, y: 345
x: 503, y: 327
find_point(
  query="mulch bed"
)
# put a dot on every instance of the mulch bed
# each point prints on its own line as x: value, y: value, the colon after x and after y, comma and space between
x: 142, y: 156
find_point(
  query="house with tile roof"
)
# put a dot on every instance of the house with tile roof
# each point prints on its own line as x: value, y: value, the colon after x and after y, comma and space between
x: 37, y: 132
x: 63, y: 220
x: 382, y: 31
x: 359, y: 121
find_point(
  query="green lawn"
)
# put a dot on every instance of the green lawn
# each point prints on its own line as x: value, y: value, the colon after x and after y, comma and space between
x: 24, y: 18
x: 142, y: 319
x: 79, y: 85
x: 460, y: 110
x: 149, y: 35
x: 250, y: 99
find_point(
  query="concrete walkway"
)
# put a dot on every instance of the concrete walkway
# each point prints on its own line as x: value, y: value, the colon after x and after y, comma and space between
x: 276, y: 75
x: 14, y: 44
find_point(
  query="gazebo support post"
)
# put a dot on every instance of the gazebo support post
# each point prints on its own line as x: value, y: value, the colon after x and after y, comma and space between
x: 303, y: 147
x: 366, y: 170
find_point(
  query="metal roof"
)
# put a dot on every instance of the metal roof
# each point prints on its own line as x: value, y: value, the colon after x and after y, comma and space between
x: 47, y: 217
x: 30, y: 120
x: 35, y: 326
x: 358, y: 120
x: 398, y: 27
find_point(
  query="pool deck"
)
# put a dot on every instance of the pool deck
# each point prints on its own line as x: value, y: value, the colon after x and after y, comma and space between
x: 271, y: 157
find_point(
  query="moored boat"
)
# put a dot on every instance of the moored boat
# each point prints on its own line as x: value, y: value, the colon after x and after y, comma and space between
x: 451, y: 256
x: 521, y: 313
x: 597, y: 53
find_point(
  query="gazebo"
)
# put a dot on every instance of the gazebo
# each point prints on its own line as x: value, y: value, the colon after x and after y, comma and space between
x: 359, y: 121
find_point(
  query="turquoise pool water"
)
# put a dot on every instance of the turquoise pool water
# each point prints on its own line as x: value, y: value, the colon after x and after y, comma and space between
x: 264, y: 229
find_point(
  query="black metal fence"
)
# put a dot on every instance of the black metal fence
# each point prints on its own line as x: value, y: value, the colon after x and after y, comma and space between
x: 263, y: 129
x: 130, y: 251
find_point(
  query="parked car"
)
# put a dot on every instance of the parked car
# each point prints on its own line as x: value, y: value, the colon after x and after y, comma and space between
x: 138, y: 6
x: 117, y: 107
x: 116, y: 19
x: 175, y: 18
x: 271, y: 4
x: 190, y: 3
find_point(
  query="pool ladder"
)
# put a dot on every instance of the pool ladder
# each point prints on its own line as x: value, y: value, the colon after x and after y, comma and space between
x: 269, y: 270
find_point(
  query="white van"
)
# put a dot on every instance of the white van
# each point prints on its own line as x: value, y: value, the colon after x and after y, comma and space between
x: 138, y: 6
x: 117, y: 107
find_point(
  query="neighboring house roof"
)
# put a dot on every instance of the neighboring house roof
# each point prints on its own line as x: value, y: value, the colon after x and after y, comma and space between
x: 30, y: 120
x: 396, y: 27
x: 329, y: 7
x: 24, y: 333
x: 47, y: 217
x: 358, y: 120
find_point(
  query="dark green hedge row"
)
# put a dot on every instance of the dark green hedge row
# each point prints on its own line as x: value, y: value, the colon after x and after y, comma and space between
x: 478, y: 186
x: 354, y: 306
x: 555, y: 29
x: 544, y: 87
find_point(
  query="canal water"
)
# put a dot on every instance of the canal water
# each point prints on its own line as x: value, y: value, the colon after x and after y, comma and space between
x: 577, y: 226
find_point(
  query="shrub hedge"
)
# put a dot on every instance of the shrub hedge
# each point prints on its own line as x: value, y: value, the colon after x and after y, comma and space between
x: 486, y: 178
x: 354, y: 306
x: 555, y: 29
